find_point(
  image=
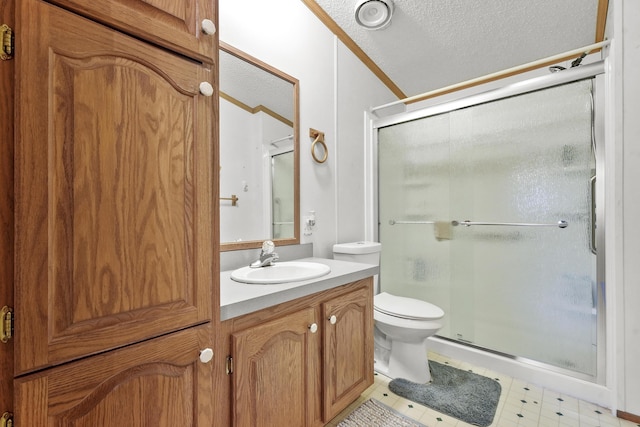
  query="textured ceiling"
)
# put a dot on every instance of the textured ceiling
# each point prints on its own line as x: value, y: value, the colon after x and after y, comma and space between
x: 255, y: 87
x: 431, y: 44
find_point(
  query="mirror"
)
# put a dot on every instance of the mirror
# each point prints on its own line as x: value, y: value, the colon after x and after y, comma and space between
x: 259, y: 165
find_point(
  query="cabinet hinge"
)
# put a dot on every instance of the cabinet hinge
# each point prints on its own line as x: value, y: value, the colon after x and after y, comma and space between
x: 229, y: 365
x: 6, y: 420
x: 6, y: 324
x: 6, y: 38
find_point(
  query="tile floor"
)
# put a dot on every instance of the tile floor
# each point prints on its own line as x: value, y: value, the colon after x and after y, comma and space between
x: 520, y: 404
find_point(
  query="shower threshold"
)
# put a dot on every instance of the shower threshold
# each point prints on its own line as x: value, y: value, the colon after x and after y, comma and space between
x: 519, y: 359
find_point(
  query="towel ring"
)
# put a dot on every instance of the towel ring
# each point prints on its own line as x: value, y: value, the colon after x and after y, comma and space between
x: 319, y: 139
x: 313, y: 151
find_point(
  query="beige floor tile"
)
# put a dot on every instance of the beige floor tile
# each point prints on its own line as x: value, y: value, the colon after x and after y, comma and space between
x: 544, y: 421
x: 625, y: 423
x: 434, y: 419
x: 505, y: 423
x: 409, y: 408
x: 569, y: 422
x: 521, y: 404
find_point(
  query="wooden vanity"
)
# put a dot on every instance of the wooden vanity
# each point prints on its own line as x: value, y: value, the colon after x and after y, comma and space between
x: 298, y: 362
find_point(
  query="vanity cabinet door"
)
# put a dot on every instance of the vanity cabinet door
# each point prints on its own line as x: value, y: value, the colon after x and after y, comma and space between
x: 113, y: 194
x: 174, y: 24
x: 161, y: 382
x: 348, y: 348
x: 274, y: 373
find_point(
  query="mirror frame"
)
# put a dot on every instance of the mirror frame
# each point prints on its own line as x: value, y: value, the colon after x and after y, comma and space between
x: 251, y: 244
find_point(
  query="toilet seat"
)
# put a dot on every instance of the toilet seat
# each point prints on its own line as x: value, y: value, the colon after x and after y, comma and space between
x: 406, y: 308
x: 407, y: 324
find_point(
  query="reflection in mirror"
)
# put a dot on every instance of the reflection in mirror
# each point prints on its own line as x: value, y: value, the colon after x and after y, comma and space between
x: 259, y: 178
x: 282, y: 194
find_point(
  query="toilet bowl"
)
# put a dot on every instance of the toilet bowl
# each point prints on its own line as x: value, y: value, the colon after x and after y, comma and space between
x: 402, y: 325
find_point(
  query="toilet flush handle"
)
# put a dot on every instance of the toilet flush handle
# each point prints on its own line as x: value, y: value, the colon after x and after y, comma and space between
x: 333, y: 319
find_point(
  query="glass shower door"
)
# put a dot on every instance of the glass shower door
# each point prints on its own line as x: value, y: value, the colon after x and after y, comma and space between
x: 523, y: 290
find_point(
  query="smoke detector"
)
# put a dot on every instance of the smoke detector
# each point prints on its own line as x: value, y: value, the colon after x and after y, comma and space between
x: 374, y: 14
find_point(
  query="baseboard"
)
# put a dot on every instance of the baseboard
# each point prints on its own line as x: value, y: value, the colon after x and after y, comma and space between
x: 629, y: 417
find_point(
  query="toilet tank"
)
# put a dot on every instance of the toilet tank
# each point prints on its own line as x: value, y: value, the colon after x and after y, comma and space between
x: 362, y: 252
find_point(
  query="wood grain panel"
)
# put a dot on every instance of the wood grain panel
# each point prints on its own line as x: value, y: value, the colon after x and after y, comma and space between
x: 148, y: 384
x: 273, y: 374
x: 227, y: 398
x: 183, y: 10
x: 122, y: 194
x: 175, y: 24
x: 114, y: 201
x: 348, y: 349
x: 6, y: 207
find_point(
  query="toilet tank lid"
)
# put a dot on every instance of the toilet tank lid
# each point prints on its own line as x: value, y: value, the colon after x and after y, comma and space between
x: 408, y: 308
x: 357, y: 248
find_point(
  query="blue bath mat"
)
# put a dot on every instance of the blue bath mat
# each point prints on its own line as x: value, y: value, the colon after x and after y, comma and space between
x: 464, y: 395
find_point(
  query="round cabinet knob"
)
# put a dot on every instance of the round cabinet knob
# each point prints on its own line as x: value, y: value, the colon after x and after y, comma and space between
x: 206, y: 89
x: 206, y: 355
x: 333, y: 319
x: 313, y: 328
x: 208, y: 27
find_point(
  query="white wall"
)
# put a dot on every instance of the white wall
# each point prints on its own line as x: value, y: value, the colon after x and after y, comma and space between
x: 288, y: 36
x: 624, y: 28
x: 355, y: 96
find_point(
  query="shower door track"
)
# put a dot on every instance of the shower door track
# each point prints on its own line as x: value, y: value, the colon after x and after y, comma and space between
x: 561, y: 77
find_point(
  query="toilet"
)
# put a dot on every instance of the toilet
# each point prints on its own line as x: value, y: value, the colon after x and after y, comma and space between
x: 402, y: 325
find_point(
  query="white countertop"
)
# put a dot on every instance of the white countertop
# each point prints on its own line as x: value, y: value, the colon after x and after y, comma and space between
x: 238, y: 298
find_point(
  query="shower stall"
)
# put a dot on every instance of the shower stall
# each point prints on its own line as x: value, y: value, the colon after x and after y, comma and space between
x: 490, y: 208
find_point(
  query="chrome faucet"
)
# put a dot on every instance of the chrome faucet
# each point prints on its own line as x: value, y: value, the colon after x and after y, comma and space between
x: 267, y: 257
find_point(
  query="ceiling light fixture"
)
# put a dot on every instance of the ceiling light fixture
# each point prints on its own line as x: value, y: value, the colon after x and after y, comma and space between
x: 374, y: 14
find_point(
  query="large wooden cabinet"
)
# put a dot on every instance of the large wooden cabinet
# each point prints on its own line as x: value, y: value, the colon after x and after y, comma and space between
x: 301, y: 363
x: 112, y: 215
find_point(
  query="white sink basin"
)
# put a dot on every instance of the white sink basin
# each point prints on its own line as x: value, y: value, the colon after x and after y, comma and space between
x: 281, y: 272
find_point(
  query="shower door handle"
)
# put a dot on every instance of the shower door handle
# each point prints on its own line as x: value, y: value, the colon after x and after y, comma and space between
x: 560, y: 224
x: 592, y: 240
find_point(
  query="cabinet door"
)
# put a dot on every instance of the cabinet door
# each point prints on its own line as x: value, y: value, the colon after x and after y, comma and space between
x: 274, y: 372
x: 113, y: 194
x: 175, y: 24
x: 157, y: 383
x: 348, y: 348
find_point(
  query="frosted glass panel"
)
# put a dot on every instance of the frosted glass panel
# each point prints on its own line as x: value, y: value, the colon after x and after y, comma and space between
x: 521, y: 290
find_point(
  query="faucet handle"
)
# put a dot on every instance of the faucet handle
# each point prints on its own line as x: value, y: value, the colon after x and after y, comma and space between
x: 268, y: 247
